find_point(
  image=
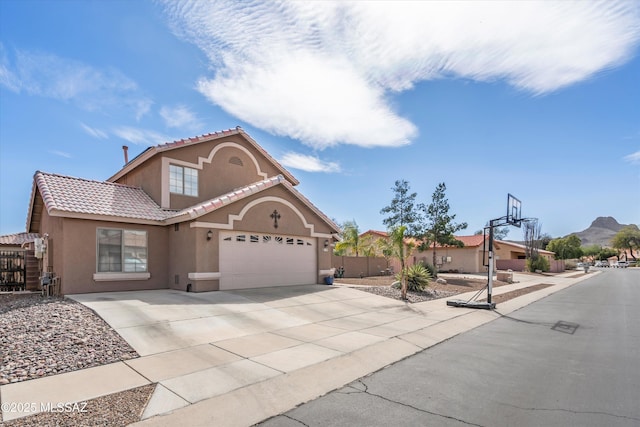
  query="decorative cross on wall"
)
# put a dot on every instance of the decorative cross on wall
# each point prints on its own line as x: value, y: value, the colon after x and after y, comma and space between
x: 276, y: 216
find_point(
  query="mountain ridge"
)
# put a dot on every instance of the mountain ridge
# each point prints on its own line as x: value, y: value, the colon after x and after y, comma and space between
x: 600, y: 232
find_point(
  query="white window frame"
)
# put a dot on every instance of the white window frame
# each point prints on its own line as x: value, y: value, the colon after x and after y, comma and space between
x: 179, y: 182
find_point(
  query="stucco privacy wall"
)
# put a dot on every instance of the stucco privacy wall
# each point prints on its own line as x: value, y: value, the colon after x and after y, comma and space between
x: 357, y: 266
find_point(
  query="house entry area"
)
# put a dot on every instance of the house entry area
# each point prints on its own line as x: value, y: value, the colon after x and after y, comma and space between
x: 254, y: 260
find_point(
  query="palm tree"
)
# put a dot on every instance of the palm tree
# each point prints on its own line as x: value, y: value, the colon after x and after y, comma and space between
x: 399, y: 248
x: 350, y: 239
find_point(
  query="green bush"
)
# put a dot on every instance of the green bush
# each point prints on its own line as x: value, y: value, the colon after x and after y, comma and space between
x: 539, y: 263
x: 432, y: 270
x: 417, y: 277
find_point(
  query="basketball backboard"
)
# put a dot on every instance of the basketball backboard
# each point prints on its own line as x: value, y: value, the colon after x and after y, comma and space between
x: 514, y: 211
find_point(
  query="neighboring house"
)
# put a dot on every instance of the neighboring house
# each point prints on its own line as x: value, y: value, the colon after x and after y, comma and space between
x: 213, y: 212
x: 466, y: 259
x: 17, y: 241
x: 512, y: 256
x: 472, y: 257
x: 510, y: 250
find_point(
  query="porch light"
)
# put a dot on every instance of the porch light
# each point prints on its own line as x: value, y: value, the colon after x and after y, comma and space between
x: 209, y: 234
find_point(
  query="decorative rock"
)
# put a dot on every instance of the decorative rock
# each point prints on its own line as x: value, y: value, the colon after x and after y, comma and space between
x: 47, y: 336
x: 441, y: 281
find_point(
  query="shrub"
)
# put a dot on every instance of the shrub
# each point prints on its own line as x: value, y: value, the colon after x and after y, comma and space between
x: 538, y: 263
x: 570, y: 265
x: 417, y: 277
x: 432, y: 270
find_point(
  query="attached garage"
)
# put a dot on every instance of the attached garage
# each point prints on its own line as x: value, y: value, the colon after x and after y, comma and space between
x: 253, y: 260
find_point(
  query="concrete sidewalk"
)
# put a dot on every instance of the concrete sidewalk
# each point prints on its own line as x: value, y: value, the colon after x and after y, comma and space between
x: 237, y: 358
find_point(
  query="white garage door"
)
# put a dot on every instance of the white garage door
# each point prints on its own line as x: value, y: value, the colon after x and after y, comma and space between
x: 253, y: 260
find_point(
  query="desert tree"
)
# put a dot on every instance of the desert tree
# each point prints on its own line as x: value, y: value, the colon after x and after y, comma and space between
x: 627, y: 238
x: 439, y: 226
x: 532, y: 231
x: 591, y: 252
x: 565, y: 247
x: 402, y: 210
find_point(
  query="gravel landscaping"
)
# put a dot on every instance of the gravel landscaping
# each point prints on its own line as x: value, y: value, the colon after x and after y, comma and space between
x: 381, y: 285
x: 47, y: 336
x: 117, y: 409
x: 389, y: 292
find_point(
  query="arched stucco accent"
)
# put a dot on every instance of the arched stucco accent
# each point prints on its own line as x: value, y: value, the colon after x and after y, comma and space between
x: 165, y: 202
x: 238, y: 217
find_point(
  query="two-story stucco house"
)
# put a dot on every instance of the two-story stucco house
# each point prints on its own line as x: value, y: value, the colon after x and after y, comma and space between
x: 207, y: 213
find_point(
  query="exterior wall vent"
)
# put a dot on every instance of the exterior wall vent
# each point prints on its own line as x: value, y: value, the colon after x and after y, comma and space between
x: 236, y: 161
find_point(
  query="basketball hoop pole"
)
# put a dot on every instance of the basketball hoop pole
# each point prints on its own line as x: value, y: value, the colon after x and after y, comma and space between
x: 490, y: 282
x: 514, y: 218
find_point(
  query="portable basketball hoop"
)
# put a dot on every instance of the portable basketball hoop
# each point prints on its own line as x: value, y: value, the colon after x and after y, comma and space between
x: 513, y: 217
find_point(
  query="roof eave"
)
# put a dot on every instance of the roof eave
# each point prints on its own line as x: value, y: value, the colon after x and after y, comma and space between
x: 106, y: 218
x: 134, y: 163
x: 32, y: 201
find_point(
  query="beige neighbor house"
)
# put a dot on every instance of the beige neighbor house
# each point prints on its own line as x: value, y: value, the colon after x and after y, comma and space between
x: 471, y: 257
x: 214, y: 212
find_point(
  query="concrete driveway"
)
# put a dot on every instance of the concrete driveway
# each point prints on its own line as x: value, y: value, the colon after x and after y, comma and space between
x: 236, y: 358
x: 201, y: 345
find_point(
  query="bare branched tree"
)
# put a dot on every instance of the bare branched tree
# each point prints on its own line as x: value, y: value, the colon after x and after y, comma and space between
x: 532, y: 236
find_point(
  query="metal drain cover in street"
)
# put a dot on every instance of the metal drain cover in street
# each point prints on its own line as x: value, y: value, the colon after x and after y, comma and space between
x: 566, y: 327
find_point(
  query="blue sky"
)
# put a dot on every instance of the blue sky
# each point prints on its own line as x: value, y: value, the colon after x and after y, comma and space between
x: 537, y: 99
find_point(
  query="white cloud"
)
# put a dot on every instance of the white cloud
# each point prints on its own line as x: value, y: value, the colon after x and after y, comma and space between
x: 60, y: 153
x: 140, y: 136
x: 308, y: 163
x: 633, y: 158
x: 7, y: 77
x: 180, y: 117
x: 323, y: 72
x: 51, y: 76
x: 96, y: 133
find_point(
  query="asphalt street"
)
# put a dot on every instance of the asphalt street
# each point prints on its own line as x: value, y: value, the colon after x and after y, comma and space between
x: 571, y: 359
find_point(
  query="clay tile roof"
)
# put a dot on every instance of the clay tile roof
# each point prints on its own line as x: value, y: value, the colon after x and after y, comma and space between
x: 376, y: 232
x: 233, y: 196
x: 475, y: 240
x: 18, y: 239
x: 82, y: 196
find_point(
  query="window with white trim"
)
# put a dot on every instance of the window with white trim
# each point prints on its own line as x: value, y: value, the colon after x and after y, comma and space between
x: 121, y: 251
x: 183, y: 180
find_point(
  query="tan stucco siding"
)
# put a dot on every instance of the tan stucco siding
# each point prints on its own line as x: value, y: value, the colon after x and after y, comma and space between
x: 223, y: 166
x: 77, y: 255
x: 254, y: 214
x: 147, y: 178
x: 182, y: 249
x: 463, y: 260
